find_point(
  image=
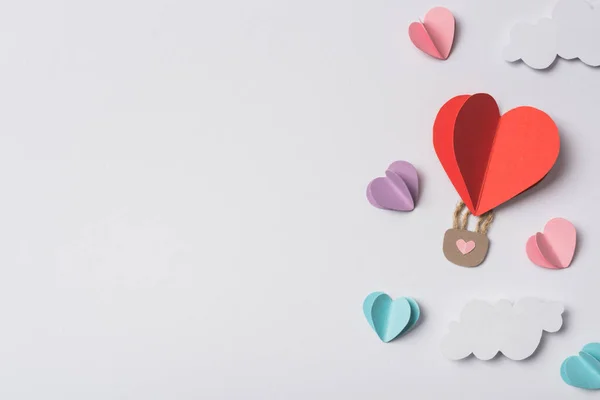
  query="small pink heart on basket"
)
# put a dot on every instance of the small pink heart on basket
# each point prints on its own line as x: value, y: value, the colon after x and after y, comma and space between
x: 435, y: 35
x: 555, y: 247
x: 465, y: 247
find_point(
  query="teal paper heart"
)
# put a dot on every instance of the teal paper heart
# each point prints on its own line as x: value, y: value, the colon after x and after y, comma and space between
x: 583, y: 371
x: 390, y: 318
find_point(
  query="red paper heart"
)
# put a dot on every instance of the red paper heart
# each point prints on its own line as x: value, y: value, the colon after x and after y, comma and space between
x: 491, y: 158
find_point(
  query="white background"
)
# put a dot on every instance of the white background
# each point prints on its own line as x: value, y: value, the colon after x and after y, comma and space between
x: 183, y: 211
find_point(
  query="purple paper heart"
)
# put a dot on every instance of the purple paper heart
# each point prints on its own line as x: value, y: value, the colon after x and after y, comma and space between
x: 398, y: 190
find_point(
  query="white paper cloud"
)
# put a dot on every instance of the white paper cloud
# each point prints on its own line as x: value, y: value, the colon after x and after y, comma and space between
x: 515, y: 330
x: 572, y: 32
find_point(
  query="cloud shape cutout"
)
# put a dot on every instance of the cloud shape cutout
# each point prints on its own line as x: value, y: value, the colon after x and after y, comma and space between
x: 583, y: 371
x: 515, y: 330
x: 572, y: 32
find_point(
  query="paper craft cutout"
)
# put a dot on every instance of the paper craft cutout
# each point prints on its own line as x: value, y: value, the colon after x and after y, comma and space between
x: 463, y: 247
x: 572, y: 32
x: 583, y: 371
x: 398, y: 190
x: 390, y: 318
x: 491, y: 158
x: 555, y: 247
x: 515, y: 330
x: 435, y: 35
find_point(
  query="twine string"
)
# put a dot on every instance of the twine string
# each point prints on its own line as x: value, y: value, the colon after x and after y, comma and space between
x: 484, y: 222
x: 461, y: 219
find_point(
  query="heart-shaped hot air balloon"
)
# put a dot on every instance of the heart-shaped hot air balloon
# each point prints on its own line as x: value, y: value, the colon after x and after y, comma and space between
x: 491, y: 158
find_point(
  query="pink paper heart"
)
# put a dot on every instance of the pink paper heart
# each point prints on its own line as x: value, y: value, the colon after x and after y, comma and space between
x: 555, y: 247
x: 435, y: 35
x: 465, y: 247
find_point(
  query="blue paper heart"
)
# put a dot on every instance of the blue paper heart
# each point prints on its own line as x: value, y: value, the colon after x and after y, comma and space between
x: 583, y: 371
x: 390, y: 318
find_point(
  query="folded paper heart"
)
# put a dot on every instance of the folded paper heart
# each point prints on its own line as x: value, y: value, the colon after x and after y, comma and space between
x: 398, y: 190
x: 435, y: 35
x: 583, y: 371
x: 390, y: 318
x: 555, y: 247
x: 491, y: 158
